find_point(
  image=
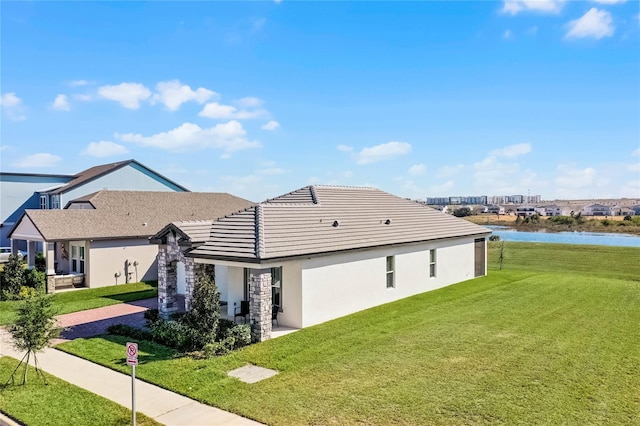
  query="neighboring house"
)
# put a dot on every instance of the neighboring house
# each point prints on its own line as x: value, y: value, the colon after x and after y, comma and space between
x: 319, y: 253
x: 636, y: 209
x: 596, y: 210
x: 21, y: 191
x: 103, y: 238
x: 495, y: 209
x: 525, y: 211
x: 550, y: 210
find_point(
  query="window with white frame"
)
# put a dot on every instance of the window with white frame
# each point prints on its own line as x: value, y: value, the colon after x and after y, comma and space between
x: 432, y: 263
x: 77, y: 259
x: 391, y: 282
x: 43, y: 202
x: 55, y: 202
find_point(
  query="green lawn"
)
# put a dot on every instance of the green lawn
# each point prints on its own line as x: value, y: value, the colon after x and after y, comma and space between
x: 59, y: 403
x: 79, y: 300
x: 551, y: 339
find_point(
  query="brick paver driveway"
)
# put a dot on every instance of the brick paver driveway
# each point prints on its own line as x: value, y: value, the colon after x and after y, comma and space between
x: 96, y: 321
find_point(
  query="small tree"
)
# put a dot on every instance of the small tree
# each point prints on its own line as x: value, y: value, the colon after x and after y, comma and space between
x: 12, y: 277
x: 204, y: 315
x: 501, y: 255
x: 462, y: 212
x: 33, y: 330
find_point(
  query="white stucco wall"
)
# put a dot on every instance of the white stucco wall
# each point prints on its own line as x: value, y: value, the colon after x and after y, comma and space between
x: 108, y: 257
x: 221, y: 277
x: 235, y: 288
x: 334, y: 286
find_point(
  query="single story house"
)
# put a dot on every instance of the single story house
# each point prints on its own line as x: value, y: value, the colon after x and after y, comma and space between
x: 22, y: 191
x: 549, y: 210
x: 319, y: 253
x: 103, y: 238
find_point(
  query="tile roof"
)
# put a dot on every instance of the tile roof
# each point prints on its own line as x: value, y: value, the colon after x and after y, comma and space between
x: 97, y: 171
x: 322, y: 219
x: 132, y: 214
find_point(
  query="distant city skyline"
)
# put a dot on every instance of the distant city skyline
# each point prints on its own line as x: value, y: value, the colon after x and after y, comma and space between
x: 419, y: 99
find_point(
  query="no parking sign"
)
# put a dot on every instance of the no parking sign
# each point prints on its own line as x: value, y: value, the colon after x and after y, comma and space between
x: 132, y: 353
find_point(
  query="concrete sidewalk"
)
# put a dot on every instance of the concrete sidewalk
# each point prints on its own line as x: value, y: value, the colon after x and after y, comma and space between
x: 160, y: 404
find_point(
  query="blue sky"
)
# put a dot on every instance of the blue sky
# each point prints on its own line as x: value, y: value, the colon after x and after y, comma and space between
x: 259, y: 98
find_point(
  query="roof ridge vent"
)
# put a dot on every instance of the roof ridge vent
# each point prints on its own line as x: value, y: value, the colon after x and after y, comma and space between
x: 260, y: 250
x: 314, y: 196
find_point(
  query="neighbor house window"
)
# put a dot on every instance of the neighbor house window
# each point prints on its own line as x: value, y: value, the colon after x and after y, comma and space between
x: 390, y: 274
x: 43, y: 202
x: 432, y: 263
x: 276, y: 286
x: 55, y: 201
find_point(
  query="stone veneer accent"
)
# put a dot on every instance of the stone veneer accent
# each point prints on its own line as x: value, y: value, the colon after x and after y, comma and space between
x: 168, y: 257
x: 260, y: 304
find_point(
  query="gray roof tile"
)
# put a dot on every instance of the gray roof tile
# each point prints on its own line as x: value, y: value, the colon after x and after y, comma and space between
x: 321, y: 219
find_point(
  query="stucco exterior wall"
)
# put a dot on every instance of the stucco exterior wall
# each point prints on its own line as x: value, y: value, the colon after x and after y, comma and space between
x: 221, y: 277
x: 108, y: 258
x: 235, y: 288
x: 129, y: 178
x: 334, y: 286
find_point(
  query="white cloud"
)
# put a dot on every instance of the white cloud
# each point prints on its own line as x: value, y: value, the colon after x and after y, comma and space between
x: 82, y: 97
x: 574, y: 183
x: 532, y: 31
x: 512, y: 151
x: 609, y: 1
x: 636, y: 153
x: 39, y: 160
x: 129, y: 95
x: 448, y: 171
x: 595, y: 23
x: 541, y: 6
x: 76, y: 83
x: 173, y: 94
x: 271, y: 125
x: 229, y: 137
x: 105, y: 149
x: 344, y: 148
x: 417, y: 169
x: 634, y: 167
x: 441, y: 190
x: 12, y: 106
x: 61, y: 103
x: 507, y: 34
x: 249, y: 102
x: 385, y: 151
x: 226, y: 112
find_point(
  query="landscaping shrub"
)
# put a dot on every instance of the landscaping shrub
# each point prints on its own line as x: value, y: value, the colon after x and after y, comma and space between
x: 27, y: 293
x: 152, y: 316
x: 36, y: 279
x: 12, y: 278
x: 176, y: 335
x: 241, y: 335
x: 129, y: 331
x: 204, y: 315
x: 41, y: 262
x: 494, y: 238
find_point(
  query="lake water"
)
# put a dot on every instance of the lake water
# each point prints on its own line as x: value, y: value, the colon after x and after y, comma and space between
x: 591, y: 238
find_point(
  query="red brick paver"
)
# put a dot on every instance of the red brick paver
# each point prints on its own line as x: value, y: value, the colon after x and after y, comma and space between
x: 96, y: 321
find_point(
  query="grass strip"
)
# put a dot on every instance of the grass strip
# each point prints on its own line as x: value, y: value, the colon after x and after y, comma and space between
x: 59, y: 402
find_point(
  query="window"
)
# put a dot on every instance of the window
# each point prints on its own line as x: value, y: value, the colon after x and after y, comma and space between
x: 390, y: 275
x: 432, y: 263
x: 55, y: 201
x: 276, y: 286
x: 77, y: 259
x: 43, y: 202
x: 74, y: 258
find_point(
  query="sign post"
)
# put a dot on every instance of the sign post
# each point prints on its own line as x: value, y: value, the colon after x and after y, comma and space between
x: 132, y: 360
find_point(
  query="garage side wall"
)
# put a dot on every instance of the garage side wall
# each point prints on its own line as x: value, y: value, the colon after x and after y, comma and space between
x: 108, y: 259
x: 338, y: 285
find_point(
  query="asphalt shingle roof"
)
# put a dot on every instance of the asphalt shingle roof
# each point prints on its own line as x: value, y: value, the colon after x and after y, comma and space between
x: 132, y: 214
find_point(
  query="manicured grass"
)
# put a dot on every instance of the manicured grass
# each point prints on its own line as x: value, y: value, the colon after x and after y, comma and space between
x: 79, y: 300
x: 551, y: 339
x: 59, y: 402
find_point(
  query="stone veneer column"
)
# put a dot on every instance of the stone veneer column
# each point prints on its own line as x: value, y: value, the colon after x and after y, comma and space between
x: 167, y: 278
x: 260, y: 304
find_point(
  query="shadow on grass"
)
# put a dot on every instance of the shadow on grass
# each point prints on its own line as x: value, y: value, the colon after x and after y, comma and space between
x: 136, y: 295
